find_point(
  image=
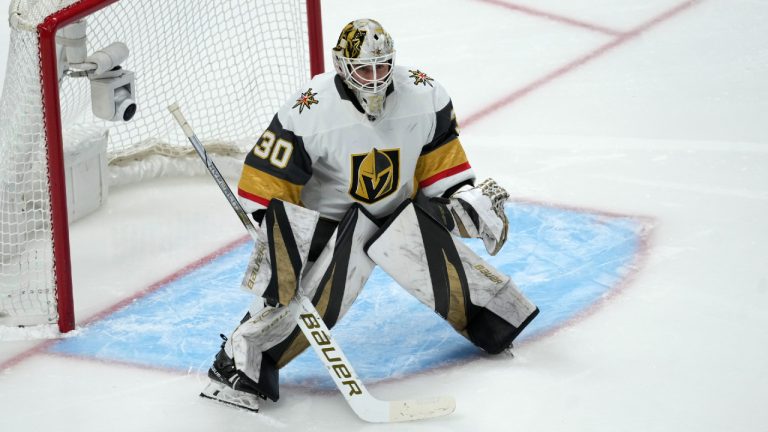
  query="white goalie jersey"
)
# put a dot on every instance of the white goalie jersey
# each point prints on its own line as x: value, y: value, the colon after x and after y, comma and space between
x: 322, y: 152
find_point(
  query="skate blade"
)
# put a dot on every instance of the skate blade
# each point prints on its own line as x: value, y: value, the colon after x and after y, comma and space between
x: 221, y: 393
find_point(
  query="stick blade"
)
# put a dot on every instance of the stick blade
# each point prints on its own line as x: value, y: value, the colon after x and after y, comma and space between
x: 374, y: 410
x: 421, y: 408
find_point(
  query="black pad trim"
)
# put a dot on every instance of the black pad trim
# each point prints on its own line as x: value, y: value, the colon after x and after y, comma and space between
x: 269, y: 379
x: 439, y: 247
x: 323, y: 232
x: 338, y: 268
x: 384, y: 226
x: 276, y: 216
x: 491, y: 333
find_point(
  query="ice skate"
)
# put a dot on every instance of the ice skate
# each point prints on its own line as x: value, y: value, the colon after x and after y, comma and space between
x: 230, y: 386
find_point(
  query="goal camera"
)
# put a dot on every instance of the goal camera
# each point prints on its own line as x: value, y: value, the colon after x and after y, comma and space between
x: 112, y: 95
x: 112, y: 87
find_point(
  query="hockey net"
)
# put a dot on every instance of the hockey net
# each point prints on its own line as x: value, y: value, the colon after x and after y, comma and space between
x: 230, y: 64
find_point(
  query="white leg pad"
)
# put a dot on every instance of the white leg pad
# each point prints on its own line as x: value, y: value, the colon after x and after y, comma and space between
x: 444, y: 274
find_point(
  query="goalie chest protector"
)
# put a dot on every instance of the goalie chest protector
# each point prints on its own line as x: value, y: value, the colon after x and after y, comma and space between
x: 321, y: 152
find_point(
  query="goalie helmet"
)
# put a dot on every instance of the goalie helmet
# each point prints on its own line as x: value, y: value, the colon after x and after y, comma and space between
x: 364, y: 57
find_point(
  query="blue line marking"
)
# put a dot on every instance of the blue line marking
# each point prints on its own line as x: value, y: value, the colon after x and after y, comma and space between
x: 563, y: 260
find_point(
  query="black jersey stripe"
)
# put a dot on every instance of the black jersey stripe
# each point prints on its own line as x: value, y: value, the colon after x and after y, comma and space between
x: 279, y: 152
x: 446, y: 129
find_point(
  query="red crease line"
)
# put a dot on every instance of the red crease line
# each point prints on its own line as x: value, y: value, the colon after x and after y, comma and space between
x: 43, y: 346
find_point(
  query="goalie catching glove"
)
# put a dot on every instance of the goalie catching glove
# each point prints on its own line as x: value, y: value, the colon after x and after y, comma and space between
x: 475, y: 212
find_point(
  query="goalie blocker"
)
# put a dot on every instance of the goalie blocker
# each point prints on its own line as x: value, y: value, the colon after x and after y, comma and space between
x: 480, y: 303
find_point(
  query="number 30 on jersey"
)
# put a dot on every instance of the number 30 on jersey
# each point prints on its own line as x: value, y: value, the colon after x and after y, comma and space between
x: 277, y: 151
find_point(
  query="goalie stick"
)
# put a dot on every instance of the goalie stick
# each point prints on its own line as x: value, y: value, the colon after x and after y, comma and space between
x: 311, y: 324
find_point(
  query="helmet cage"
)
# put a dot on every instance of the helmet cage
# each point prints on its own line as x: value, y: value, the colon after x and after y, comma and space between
x: 351, y: 70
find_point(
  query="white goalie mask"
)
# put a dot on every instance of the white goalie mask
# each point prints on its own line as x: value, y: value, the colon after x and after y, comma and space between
x: 364, y: 57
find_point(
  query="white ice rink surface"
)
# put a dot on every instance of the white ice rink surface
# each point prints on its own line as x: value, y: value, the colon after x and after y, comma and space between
x: 656, y: 109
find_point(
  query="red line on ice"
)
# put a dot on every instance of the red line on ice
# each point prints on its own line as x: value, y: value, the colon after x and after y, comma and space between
x: 574, y: 64
x: 554, y: 17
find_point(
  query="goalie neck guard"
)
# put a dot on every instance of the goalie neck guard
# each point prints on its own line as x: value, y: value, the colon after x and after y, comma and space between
x: 364, y: 58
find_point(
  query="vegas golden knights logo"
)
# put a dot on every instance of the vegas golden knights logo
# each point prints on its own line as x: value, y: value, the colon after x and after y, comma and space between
x: 375, y: 175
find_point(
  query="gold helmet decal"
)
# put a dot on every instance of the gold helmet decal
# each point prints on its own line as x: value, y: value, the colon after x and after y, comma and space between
x: 350, y: 40
x: 375, y: 175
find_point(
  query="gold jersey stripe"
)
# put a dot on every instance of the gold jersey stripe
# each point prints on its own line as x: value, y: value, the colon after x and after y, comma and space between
x: 267, y: 186
x: 441, y: 159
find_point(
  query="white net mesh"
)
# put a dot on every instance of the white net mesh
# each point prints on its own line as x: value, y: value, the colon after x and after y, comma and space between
x: 229, y: 65
x: 27, y: 292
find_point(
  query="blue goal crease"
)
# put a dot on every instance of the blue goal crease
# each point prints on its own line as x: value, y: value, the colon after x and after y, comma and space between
x: 563, y: 260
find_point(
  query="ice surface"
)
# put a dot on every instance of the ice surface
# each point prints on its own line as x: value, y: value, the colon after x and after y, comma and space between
x: 662, y: 132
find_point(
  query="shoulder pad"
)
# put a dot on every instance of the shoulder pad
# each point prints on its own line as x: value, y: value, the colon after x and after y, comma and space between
x: 417, y: 81
x: 306, y: 107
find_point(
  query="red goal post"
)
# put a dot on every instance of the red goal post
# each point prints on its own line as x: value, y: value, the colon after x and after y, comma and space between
x: 252, y: 48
